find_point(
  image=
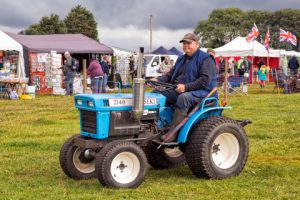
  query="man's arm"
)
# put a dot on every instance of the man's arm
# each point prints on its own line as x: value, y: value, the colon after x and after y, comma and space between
x: 206, y: 74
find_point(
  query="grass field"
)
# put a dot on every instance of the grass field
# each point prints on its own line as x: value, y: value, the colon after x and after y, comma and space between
x: 32, y: 132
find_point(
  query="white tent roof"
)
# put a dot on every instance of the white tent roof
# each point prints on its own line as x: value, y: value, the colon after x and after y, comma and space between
x: 292, y: 53
x: 7, y: 43
x: 240, y: 47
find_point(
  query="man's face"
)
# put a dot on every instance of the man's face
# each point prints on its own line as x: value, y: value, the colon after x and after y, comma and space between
x: 190, y: 47
x: 67, y: 55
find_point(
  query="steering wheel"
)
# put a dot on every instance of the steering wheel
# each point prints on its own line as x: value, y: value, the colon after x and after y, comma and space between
x: 160, y: 86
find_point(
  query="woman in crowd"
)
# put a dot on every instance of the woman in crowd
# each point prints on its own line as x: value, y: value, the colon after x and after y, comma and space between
x: 96, y: 73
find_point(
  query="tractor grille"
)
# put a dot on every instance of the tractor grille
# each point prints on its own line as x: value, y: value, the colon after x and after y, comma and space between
x: 105, y: 103
x: 88, y: 121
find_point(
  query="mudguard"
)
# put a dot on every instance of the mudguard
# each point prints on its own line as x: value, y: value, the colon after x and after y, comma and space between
x: 196, y: 117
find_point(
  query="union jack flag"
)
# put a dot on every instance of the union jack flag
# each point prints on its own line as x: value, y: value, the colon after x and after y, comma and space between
x: 253, y: 34
x: 267, y: 40
x: 288, y: 37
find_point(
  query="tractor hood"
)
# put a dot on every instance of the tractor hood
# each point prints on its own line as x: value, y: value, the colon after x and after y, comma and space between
x: 106, y: 102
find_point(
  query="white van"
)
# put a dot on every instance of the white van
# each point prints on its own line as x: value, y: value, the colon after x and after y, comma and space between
x: 152, y: 63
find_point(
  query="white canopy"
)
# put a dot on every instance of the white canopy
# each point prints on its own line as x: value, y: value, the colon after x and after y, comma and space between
x: 240, y: 47
x: 7, y: 43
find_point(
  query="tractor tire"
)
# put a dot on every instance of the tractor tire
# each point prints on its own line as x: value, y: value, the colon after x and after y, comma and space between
x: 164, y: 157
x: 121, y: 164
x: 73, y: 161
x: 217, y: 148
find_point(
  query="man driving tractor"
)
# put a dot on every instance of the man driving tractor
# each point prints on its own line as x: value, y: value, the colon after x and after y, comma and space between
x: 194, y: 74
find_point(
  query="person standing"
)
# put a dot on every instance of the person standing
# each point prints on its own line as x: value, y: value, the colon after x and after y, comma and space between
x: 262, y: 76
x: 105, y: 67
x: 231, y: 66
x: 131, y: 68
x: 293, y: 66
x: 243, y: 67
x: 165, y: 66
x: 70, y: 68
x: 96, y: 73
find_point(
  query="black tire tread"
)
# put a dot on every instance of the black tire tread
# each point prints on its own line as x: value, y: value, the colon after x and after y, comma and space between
x: 195, y: 146
x: 66, y: 163
x: 158, y: 161
x: 105, y: 154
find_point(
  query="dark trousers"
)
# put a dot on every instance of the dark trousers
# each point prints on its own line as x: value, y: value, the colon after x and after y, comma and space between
x: 183, y: 101
x: 69, y: 79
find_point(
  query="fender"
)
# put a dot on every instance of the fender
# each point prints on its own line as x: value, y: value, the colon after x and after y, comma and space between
x: 199, y: 115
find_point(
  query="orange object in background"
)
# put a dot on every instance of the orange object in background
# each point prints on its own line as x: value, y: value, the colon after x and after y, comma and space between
x: 223, y: 102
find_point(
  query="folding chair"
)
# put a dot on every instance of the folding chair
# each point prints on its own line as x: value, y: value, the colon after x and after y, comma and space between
x: 236, y: 85
x: 279, y: 85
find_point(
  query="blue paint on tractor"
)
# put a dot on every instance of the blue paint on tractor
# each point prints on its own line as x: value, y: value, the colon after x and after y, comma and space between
x: 97, y: 108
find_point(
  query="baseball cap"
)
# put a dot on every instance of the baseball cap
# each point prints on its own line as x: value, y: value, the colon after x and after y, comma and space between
x: 189, y: 37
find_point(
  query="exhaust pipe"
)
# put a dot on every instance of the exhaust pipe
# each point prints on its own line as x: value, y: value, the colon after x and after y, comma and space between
x: 138, y: 89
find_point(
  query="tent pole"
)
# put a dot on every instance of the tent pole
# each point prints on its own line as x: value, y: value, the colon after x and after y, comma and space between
x: 252, y: 64
x: 84, y: 76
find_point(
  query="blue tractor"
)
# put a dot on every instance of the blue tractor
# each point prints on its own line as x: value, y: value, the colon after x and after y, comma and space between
x: 120, y: 134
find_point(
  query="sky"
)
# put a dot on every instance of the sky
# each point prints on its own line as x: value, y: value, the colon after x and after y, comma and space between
x: 125, y: 23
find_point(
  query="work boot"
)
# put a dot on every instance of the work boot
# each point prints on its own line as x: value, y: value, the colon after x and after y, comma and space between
x: 177, y: 118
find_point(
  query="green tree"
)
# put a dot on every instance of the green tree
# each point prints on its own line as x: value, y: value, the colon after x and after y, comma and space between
x: 224, y: 25
x: 47, y: 25
x: 80, y: 20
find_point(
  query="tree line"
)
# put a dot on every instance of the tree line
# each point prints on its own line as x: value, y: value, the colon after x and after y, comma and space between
x: 78, y: 20
x: 223, y: 25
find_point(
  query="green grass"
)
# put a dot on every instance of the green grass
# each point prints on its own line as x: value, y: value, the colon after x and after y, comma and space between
x: 32, y: 132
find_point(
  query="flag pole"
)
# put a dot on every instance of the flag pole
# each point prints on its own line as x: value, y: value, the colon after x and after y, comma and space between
x: 252, y: 63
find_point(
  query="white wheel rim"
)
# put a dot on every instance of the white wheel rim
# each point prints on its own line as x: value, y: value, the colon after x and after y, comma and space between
x: 79, y: 165
x: 225, y: 150
x: 125, y: 167
x: 173, y: 152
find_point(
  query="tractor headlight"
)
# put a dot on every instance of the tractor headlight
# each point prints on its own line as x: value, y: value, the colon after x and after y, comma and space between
x: 79, y: 102
x: 91, y: 104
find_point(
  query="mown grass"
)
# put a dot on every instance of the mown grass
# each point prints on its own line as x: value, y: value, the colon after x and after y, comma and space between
x: 32, y: 132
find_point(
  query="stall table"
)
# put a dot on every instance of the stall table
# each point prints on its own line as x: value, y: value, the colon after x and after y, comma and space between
x: 16, y: 84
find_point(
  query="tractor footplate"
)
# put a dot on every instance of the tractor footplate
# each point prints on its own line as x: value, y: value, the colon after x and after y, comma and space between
x: 88, y: 143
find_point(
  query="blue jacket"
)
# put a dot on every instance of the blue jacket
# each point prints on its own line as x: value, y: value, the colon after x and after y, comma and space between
x: 193, y: 73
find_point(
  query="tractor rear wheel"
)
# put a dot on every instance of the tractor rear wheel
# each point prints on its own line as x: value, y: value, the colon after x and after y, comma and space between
x: 75, y: 161
x: 217, y: 147
x: 121, y: 164
x: 164, y: 157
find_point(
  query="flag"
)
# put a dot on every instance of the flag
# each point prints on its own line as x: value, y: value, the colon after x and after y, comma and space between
x: 267, y: 40
x: 286, y: 36
x: 253, y: 34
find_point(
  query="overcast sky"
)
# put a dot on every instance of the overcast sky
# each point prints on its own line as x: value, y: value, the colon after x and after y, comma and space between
x: 125, y: 23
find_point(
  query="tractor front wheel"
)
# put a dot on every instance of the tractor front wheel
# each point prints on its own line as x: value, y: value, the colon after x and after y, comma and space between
x: 217, y: 147
x: 121, y: 164
x: 75, y: 161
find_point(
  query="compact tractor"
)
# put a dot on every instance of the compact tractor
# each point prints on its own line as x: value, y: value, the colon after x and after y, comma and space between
x: 120, y: 134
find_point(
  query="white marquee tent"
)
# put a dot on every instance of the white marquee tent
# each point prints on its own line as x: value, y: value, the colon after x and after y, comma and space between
x: 7, y: 43
x: 240, y: 47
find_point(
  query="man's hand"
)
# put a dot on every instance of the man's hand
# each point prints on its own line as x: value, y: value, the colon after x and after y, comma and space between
x: 153, y: 79
x: 180, y: 88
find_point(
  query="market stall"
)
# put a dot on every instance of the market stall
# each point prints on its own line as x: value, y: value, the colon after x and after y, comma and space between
x: 253, y: 50
x: 44, y: 57
x: 122, y: 64
x: 12, y: 74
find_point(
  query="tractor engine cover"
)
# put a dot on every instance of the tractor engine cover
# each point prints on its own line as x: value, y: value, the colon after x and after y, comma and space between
x: 122, y: 123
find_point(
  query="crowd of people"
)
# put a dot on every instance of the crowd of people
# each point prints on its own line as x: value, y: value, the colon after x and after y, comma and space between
x: 98, y: 71
x: 260, y: 70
